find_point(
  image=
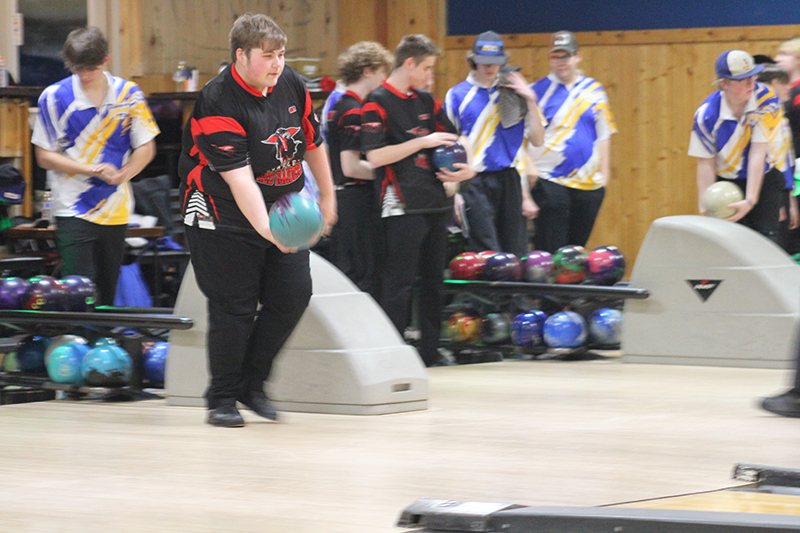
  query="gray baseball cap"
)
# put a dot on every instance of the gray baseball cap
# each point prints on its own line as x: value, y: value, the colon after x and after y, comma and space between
x: 564, y: 41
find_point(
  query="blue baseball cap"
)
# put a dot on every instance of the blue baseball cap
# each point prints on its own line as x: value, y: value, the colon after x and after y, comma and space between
x: 488, y: 49
x: 736, y: 65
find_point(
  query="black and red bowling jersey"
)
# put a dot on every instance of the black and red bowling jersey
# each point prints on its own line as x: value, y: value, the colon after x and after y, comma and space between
x: 234, y: 125
x: 390, y: 117
x: 344, y: 127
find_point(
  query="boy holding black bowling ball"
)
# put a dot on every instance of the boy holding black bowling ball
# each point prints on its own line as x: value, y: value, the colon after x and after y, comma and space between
x: 400, y: 126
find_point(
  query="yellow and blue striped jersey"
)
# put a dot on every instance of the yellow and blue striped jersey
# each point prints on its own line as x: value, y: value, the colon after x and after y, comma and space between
x: 70, y: 124
x: 719, y: 134
x: 578, y: 119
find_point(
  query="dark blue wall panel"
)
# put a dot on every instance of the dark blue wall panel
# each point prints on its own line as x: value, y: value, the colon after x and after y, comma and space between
x: 470, y: 17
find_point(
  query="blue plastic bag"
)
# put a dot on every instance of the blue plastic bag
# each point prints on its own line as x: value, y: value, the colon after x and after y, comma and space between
x: 132, y: 290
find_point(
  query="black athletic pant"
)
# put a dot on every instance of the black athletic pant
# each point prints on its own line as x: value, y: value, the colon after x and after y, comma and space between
x: 493, y: 202
x: 92, y: 250
x: 763, y: 218
x: 354, y: 242
x: 416, y: 245
x: 566, y: 215
x: 237, y: 272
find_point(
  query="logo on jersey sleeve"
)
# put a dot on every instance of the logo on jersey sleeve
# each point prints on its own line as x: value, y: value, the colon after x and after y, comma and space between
x: 285, y: 144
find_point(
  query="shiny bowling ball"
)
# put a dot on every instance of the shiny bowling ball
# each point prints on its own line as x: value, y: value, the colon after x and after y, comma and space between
x: 12, y: 291
x: 81, y: 293
x: 155, y: 362
x: 538, y: 267
x: 45, y: 293
x: 569, y: 264
x: 605, y: 326
x: 565, y: 330
x: 64, y: 363
x: 467, y: 266
x: 527, y: 328
x: 495, y: 328
x: 502, y: 267
x: 718, y: 196
x: 605, y: 265
x: 295, y: 220
x: 104, y: 366
x: 446, y: 156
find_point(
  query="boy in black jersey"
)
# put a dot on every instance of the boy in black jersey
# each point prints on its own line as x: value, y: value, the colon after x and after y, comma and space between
x: 250, y: 130
x: 352, y: 245
x: 399, y: 128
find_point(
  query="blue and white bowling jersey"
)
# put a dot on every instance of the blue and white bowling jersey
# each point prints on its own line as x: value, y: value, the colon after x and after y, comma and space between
x: 472, y: 108
x: 327, y: 108
x: 69, y: 123
x: 577, y: 120
x: 717, y: 133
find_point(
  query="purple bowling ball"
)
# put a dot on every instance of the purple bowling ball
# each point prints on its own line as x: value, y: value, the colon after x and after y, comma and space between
x: 539, y: 267
x: 81, y: 293
x: 45, y: 293
x: 11, y: 292
x: 502, y: 267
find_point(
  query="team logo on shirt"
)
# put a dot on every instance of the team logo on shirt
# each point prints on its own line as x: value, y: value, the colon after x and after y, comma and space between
x: 418, y: 132
x: 293, y: 109
x: 285, y: 144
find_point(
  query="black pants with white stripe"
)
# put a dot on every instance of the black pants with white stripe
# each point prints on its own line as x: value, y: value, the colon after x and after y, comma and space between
x: 237, y: 272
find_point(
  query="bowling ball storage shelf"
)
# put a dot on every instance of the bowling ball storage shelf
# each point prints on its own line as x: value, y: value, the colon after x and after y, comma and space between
x: 502, y: 296
x: 125, y: 324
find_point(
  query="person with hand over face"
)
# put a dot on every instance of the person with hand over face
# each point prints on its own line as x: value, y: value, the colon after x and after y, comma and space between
x: 94, y: 132
x: 251, y: 128
x: 495, y: 109
x: 400, y: 127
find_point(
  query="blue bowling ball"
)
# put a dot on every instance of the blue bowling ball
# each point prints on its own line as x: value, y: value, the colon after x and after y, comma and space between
x: 30, y: 354
x: 64, y: 363
x: 104, y: 367
x: 566, y: 329
x: 81, y: 293
x: 446, y: 156
x: 295, y: 220
x: 155, y: 362
x: 527, y: 328
x: 605, y: 326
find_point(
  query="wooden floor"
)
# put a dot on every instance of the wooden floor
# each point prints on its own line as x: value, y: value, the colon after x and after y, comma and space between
x: 526, y: 432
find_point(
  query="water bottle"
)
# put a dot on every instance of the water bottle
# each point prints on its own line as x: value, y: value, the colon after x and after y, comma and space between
x: 180, y: 77
x: 3, y: 73
x: 47, y: 208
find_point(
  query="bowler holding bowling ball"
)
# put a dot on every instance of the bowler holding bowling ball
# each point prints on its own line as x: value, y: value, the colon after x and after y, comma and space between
x: 243, y: 148
x: 737, y: 137
x: 496, y: 109
x: 400, y: 127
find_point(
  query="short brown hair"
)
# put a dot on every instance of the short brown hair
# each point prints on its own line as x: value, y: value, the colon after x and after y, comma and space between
x: 366, y: 54
x: 773, y: 73
x: 416, y: 46
x: 85, y: 48
x: 255, y: 31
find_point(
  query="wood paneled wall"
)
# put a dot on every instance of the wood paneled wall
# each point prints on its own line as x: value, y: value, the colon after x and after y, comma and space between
x: 156, y: 34
x: 655, y: 81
